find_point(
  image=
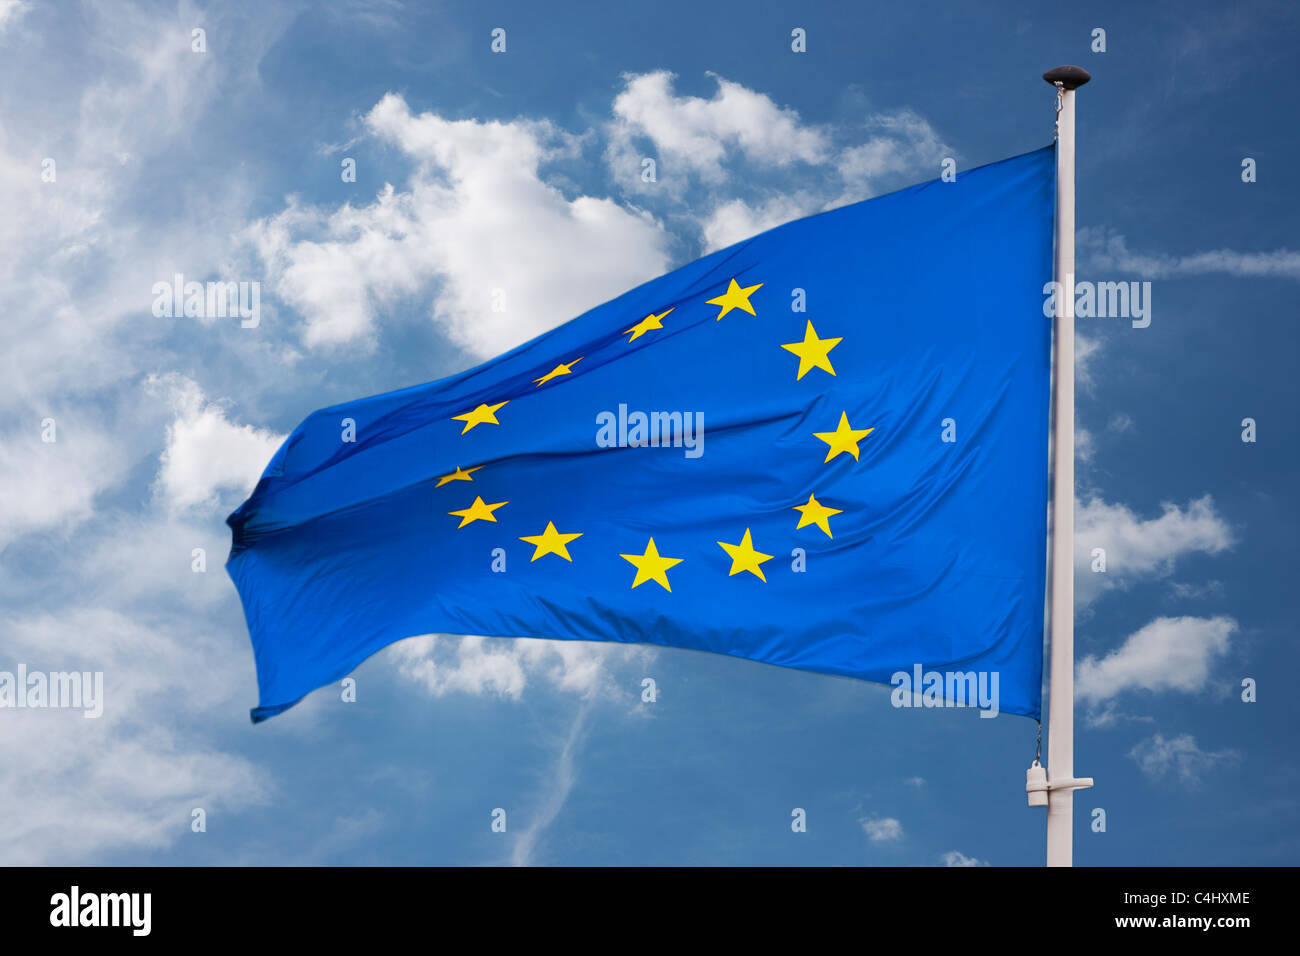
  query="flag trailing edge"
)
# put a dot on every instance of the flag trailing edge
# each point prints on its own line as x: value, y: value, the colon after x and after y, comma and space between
x: 823, y: 447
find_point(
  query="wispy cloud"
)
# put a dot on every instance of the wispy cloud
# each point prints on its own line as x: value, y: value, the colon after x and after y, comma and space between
x: 1102, y: 251
x: 1159, y: 757
x: 562, y: 778
x: 697, y: 141
x: 75, y: 788
x: 502, y: 666
x: 79, y: 253
x: 957, y: 858
x: 882, y: 829
x: 10, y: 11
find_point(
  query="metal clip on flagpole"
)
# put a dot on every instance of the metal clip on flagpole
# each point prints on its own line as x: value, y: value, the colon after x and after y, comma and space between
x: 1055, y: 790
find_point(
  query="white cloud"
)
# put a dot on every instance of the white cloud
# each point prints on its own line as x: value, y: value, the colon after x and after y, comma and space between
x: 882, y: 829
x: 1137, y: 547
x: 47, y: 485
x: 903, y: 142
x: 1102, y: 251
x: 481, y: 217
x: 736, y: 219
x: 78, y: 261
x: 694, y: 139
x: 957, y: 858
x: 696, y: 135
x: 206, y: 452
x: 339, y: 270
x: 501, y: 666
x: 1170, y: 653
x: 73, y: 787
x: 1159, y: 756
x: 78, y: 258
x: 10, y: 11
x: 473, y: 667
x: 478, y: 219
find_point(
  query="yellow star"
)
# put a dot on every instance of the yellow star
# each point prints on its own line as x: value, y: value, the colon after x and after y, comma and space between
x: 650, y: 566
x: 564, y: 368
x: 812, y: 352
x: 645, y: 325
x: 460, y: 474
x: 735, y: 298
x: 550, y: 541
x: 843, y: 438
x: 744, y: 557
x: 814, y: 512
x: 478, y: 511
x: 480, y: 415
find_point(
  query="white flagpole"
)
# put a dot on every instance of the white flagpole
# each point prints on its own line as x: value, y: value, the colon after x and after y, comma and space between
x: 1061, y: 782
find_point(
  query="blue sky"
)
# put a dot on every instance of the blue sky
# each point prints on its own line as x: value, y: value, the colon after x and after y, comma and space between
x: 225, y: 165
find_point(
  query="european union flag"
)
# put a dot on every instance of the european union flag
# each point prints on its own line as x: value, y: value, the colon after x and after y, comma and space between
x: 824, y: 447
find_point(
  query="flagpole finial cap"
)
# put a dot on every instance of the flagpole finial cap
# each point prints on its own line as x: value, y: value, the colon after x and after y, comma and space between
x: 1070, y: 77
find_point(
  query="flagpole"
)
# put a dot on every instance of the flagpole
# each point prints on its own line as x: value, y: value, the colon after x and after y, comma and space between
x: 1061, y: 782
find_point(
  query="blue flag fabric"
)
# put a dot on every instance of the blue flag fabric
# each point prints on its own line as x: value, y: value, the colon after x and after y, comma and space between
x: 824, y: 447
